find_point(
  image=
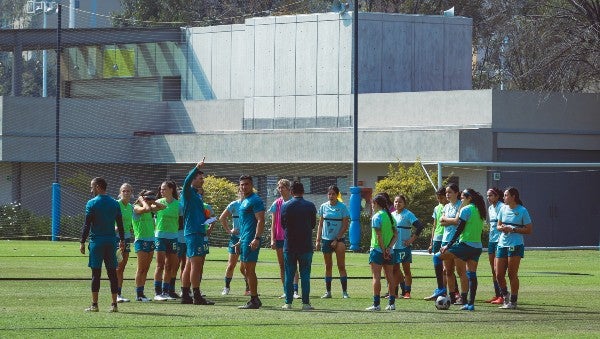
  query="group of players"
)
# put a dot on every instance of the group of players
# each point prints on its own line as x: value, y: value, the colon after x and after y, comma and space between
x: 177, y: 228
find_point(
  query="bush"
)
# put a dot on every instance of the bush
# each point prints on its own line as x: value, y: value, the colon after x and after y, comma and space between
x: 218, y: 193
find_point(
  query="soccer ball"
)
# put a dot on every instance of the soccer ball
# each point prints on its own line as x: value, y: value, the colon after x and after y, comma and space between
x: 442, y: 303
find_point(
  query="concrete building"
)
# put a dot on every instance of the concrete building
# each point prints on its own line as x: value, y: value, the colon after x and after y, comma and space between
x: 273, y: 98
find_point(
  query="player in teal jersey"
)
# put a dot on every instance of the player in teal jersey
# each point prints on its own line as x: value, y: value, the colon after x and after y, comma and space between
x: 450, y: 222
x: 252, y: 224
x: 437, y: 233
x: 232, y: 211
x: 167, y: 226
x: 383, y: 238
x: 468, y: 233
x: 101, y: 214
x: 333, y: 224
x: 125, y: 192
x: 143, y: 228
x: 514, y: 222
x: 494, y: 197
x: 405, y: 220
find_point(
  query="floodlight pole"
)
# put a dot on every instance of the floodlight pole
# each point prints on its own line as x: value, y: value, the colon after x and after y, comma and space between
x: 56, y: 185
x: 355, y: 197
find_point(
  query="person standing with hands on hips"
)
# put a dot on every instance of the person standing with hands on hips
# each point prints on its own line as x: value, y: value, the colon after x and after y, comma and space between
x: 298, y: 219
x: 101, y: 214
x: 194, y: 233
x: 252, y: 224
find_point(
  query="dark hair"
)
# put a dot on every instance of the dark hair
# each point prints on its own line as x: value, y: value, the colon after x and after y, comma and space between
x: 389, y: 201
x: 100, y: 182
x: 441, y: 191
x: 401, y: 197
x: 382, y: 200
x: 297, y: 188
x: 477, y: 200
x: 497, y: 192
x: 333, y: 188
x: 246, y: 177
x: 148, y: 194
x: 515, y: 193
x: 453, y: 187
x: 172, y: 185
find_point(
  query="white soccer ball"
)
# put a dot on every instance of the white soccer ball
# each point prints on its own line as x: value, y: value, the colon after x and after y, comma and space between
x: 442, y: 303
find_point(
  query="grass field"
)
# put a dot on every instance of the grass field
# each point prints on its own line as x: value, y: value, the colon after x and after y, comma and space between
x: 45, y: 286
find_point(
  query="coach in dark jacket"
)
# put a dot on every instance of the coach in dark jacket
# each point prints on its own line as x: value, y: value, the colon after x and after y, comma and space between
x: 298, y: 219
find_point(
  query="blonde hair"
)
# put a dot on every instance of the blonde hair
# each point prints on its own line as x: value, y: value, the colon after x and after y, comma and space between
x: 284, y: 182
x: 124, y: 186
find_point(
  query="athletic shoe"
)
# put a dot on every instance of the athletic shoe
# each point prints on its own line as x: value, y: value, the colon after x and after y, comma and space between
x: 160, y: 297
x: 174, y: 295
x: 406, y: 295
x: 120, y: 299
x: 296, y: 295
x: 509, y: 306
x: 459, y: 301
x: 345, y: 295
x: 373, y: 308
x: 280, y: 297
x: 168, y: 297
x: 113, y: 309
x: 225, y: 291
x: 468, y: 307
x: 327, y: 295
x: 287, y: 306
x: 492, y: 299
x: 438, y: 292
x: 497, y: 301
x: 391, y: 307
x: 143, y: 299
x: 250, y: 306
x: 187, y: 300
x: 247, y: 293
x: 93, y: 308
x: 202, y: 301
x: 307, y: 307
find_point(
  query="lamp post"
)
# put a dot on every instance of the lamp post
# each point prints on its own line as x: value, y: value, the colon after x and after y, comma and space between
x: 355, y: 197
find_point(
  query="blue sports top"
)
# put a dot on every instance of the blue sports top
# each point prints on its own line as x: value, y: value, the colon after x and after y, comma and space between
x: 248, y: 207
x: 450, y: 211
x: 404, y: 221
x: 193, y: 207
x: 517, y: 218
x: 332, y: 215
x: 101, y: 213
x: 493, y: 218
x: 233, y: 208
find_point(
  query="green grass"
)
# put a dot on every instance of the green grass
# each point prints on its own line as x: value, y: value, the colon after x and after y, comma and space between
x: 44, y: 288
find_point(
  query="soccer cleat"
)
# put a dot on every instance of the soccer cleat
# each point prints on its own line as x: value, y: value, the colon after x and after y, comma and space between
x: 174, y: 295
x: 143, y: 299
x: 225, y: 291
x: 406, y: 295
x: 287, y: 306
x: 438, y: 292
x: 167, y: 296
x: 468, y: 307
x: 459, y: 301
x: 489, y: 301
x: 187, y: 300
x: 280, y: 297
x: 250, y: 306
x: 113, y: 308
x: 120, y: 299
x: 509, y: 306
x: 327, y: 295
x: 497, y: 301
x: 307, y: 307
x: 391, y: 307
x: 296, y: 295
x: 202, y: 301
x: 345, y: 295
x: 93, y: 308
x: 373, y: 308
x: 160, y: 297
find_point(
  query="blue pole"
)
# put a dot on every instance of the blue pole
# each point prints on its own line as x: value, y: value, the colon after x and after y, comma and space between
x: 355, y: 199
x: 55, y: 211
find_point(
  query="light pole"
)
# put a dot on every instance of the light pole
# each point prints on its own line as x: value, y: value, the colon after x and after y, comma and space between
x: 46, y: 7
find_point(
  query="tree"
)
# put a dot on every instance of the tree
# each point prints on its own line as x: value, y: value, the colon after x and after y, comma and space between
x: 219, y: 192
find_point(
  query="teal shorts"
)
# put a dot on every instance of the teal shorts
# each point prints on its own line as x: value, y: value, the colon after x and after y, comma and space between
x: 127, y: 244
x: 181, y: 249
x: 403, y: 255
x: 102, y: 250
x: 437, y: 244
x: 376, y: 257
x: 144, y: 246
x: 492, y: 247
x: 197, y: 245
x: 465, y: 252
x: 166, y: 245
x: 510, y: 251
x: 231, y: 245
x: 247, y: 254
